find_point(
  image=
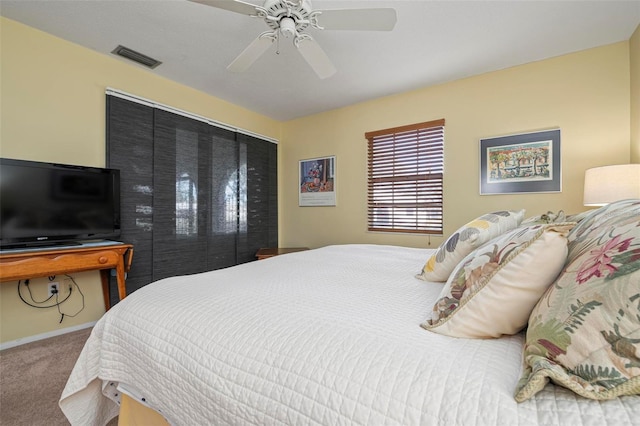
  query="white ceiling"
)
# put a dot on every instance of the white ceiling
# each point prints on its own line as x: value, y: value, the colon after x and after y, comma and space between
x: 433, y: 42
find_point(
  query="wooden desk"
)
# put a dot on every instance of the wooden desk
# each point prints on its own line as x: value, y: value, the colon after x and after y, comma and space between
x: 264, y: 253
x: 27, y: 264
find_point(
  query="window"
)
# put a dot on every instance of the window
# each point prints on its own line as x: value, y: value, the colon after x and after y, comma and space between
x: 406, y: 167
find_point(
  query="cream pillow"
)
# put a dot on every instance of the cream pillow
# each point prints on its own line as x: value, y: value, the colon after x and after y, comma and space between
x: 493, y: 290
x: 465, y: 240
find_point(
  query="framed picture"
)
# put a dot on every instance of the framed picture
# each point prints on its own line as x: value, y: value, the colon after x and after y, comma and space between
x: 317, y: 182
x: 527, y: 162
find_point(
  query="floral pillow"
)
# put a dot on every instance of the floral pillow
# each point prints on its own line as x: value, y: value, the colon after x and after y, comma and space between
x: 548, y: 217
x: 559, y: 217
x: 494, y: 289
x: 577, y: 217
x: 584, y: 334
x: 465, y: 240
x: 583, y: 236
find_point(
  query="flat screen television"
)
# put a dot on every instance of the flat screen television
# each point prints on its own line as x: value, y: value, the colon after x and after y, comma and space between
x: 51, y: 204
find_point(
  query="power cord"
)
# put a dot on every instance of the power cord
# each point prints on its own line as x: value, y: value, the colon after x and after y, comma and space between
x: 62, y: 315
x: 56, y: 295
x: 58, y: 302
x: 26, y: 283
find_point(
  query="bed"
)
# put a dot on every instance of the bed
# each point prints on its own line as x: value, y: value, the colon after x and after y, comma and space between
x: 326, y: 336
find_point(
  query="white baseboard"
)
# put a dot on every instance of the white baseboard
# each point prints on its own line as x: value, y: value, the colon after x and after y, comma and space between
x: 24, y: 340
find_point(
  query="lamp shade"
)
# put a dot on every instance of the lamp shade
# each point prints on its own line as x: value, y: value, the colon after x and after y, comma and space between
x: 604, y: 185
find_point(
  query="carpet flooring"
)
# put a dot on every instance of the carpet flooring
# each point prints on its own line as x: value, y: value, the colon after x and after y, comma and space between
x: 32, y: 377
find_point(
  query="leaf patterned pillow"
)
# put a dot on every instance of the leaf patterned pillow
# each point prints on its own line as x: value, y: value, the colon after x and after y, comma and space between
x: 465, y: 240
x: 494, y: 289
x: 584, y: 333
x: 548, y: 217
x: 598, y: 222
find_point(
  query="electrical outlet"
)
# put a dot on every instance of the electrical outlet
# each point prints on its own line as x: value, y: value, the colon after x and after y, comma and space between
x: 53, y: 288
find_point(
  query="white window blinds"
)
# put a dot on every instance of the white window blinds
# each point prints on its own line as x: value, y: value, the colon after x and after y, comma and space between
x: 405, y: 184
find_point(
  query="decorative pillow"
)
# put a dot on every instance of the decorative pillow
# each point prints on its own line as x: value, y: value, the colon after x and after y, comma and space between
x: 465, y: 240
x: 584, y: 333
x: 494, y: 289
x: 577, y: 217
x: 548, y: 217
x: 582, y: 236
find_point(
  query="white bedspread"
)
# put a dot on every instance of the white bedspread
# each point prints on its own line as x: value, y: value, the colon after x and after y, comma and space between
x: 329, y: 336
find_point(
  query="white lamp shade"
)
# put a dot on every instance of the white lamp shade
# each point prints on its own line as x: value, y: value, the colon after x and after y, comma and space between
x: 604, y: 185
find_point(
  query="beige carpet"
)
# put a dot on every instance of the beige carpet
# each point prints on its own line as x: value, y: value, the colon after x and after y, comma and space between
x: 32, y: 377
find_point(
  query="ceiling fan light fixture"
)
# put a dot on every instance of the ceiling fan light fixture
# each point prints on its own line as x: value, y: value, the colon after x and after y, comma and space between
x: 287, y: 27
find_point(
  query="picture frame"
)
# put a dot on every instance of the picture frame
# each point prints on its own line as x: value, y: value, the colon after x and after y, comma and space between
x: 521, y: 163
x: 317, y: 182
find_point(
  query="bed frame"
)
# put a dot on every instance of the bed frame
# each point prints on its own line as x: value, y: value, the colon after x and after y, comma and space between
x: 132, y: 413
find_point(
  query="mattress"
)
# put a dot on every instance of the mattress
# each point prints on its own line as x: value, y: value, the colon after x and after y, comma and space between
x: 325, y: 337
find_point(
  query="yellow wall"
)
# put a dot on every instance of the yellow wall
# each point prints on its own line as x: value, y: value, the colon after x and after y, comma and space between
x: 52, y: 104
x: 634, y: 55
x: 585, y: 94
x: 52, y: 109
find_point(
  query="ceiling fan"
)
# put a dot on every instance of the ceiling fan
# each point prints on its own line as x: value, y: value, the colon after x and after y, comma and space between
x: 290, y: 18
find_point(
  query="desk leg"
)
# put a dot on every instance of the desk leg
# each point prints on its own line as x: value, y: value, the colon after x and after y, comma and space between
x: 104, y: 277
x: 122, y: 288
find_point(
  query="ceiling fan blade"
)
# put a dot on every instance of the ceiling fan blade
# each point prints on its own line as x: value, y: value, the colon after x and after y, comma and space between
x: 252, y: 52
x: 315, y: 56
x: 232, y: 5
x: 381, y: 19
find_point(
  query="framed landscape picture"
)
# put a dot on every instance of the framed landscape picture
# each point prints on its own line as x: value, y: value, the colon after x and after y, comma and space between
x: 317, y: 183
x: 527, y: 162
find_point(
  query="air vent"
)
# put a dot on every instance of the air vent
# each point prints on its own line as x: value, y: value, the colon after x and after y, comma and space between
x: 134, y: 56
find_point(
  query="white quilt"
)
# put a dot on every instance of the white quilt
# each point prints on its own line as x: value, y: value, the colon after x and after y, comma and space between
x: 329, y: 336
